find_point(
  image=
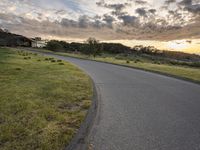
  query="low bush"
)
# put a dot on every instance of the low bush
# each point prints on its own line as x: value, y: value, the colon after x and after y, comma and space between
x: 18, y: 68
x: 61, y: 63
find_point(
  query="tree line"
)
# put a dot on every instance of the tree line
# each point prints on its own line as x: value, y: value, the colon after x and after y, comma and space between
x: 93, y: 47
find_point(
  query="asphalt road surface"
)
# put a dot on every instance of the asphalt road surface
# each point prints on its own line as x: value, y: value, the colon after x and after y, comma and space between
x: 139, y: 110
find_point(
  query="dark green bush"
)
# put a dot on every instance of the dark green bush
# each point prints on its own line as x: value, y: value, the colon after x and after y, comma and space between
x: 18, y: 68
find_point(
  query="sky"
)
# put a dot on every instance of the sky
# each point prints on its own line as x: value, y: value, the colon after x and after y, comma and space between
x: 165, y: 24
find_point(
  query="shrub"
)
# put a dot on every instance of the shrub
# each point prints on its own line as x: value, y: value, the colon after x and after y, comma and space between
x: 195, y: 64
x: 18, y: 68
x: 61, y: 63
x: 53, y: 60
x: 59, y: 60
x: 54, y: 45
x: 138, y: 60
x: 127, y: 61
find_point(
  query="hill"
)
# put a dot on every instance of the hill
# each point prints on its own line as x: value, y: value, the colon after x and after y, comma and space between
x: 12, y: 40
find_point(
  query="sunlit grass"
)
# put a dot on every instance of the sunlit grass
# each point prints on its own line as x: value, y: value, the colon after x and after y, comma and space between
x: 42, y: 102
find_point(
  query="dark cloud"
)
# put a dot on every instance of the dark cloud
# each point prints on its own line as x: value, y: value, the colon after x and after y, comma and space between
x: 118, y: 13
x: 117, y: 7
x: 141, y: 2
x: 153, y: 11
x: 167, y: 2
x: 185, y: 2
x: 83, y: 21
x: 128, y: 20
x: 97, y: 23
x: 195, y: 9
x: 141, y: 12
x: 100, y: 3
x: 188, y: 6
x: 176, y: 16
x: 108, y: 19
x: 67, y: 22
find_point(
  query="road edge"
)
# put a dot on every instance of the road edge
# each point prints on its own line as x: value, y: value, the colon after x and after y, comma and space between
x: 80, y: 141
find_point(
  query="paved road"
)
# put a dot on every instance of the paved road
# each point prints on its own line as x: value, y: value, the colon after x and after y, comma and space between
x: 141, y: 110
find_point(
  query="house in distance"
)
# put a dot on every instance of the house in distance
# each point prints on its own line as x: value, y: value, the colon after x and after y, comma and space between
x: 38, y: 42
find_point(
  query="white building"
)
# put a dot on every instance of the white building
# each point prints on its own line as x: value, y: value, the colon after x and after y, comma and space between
x: 38, y: 42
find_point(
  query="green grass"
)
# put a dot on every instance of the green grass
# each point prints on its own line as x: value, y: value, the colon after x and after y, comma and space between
x: 179, y: 71
x: 190, y: 73
x: 42, y: 102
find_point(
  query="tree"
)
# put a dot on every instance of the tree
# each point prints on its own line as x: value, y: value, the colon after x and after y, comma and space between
x: 54, y: 45
x: 93, y: 47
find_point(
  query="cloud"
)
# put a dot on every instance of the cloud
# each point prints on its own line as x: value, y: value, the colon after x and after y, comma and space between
x: 105, y: 19
x: 190, y: 7
x: 185, y: 2
x: 141, y: 12
x: 195, y: 9
x: 68, y: 22
x: 83, y: 21
x: 153, y: 11
x: 117, y: 7
x: 167, y: 2
x: 141, y: 2
x: 108, y: 19
x: 128, y: 20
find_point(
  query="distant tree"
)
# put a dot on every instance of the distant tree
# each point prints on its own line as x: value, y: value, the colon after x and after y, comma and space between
x: 54, y: 45
x: 93, y: 47
x: 38, y: 38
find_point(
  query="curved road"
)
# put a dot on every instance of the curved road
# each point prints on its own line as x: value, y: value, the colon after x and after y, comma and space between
x: 139, y: 110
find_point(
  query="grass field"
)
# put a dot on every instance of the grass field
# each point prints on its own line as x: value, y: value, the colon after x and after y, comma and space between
x: 42, y: 101
x: 186, y: 72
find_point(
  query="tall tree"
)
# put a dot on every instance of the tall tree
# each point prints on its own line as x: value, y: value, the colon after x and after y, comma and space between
x: 93, y: 47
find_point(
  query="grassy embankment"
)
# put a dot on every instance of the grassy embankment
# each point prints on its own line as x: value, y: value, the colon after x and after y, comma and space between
x: 187, y: 72
x: 42, y: 101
